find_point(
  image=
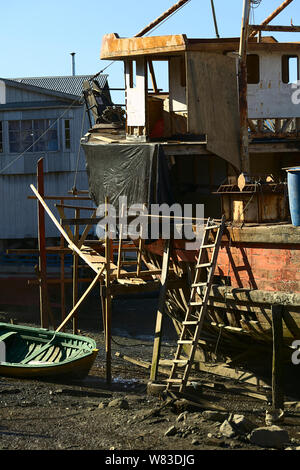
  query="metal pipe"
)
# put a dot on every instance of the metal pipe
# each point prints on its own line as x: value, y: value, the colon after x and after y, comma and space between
x: 161, y: 18
x: 73, y: 63
x: 272, y: 16
x: 215, y: 18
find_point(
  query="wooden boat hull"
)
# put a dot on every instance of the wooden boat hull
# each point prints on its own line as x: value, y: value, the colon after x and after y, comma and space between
x: 250, y: 278
x: 62, y: 355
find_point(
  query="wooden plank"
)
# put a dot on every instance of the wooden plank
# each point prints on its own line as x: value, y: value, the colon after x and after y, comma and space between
x: 160, y: 311
x: 275, y: 28
x: 62, y: 231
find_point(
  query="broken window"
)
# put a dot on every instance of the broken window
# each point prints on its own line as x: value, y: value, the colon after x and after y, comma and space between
x: 158, y: 75
x: 33, y: 135
x: 1, y: 137
x: 290, y: 68
x: 253, y: 69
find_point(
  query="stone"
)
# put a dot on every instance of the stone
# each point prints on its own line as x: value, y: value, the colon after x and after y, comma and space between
x: 119, y: 403
x: 227, y: 430
x: 195, y: 442
x: 182, y: 417
x: 171, y: 431
x: 241, y: 423
x: 102, y: 405
x: 215, y: 415
x: 271, y: 437
x: 274, y: 416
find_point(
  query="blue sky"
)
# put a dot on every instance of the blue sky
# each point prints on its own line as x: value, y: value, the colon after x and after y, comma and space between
x: 38, y: 36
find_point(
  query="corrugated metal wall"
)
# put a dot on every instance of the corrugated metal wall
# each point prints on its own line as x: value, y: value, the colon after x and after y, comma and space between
x: 18, y: 215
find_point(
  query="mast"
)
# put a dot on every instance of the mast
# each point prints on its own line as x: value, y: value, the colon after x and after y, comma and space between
x: 243, y: 102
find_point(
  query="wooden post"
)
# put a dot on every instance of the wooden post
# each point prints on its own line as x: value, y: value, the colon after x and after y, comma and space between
x: 107, y: 299
x: 277, y: 362
x: 160, y: 311
x: 42, y: 249
x: 62, y: 275
x: 243, y: 88
x: 75, y: 273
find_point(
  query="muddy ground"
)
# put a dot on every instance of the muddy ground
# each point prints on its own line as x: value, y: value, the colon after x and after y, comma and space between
x: 91, y: 415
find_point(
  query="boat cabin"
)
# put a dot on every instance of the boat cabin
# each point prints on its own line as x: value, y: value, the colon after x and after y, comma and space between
x: 185, y: 95
x: 199, y: 99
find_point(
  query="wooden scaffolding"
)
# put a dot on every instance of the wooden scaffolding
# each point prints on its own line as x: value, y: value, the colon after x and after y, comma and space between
x: 115, y: 274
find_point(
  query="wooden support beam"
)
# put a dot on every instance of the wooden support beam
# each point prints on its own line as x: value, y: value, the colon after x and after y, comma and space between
x: 44, y: 313
x: 152, y: 75
x: 62, y: 276
x: 273, y: 15
x: 107, y: 298
x: 243, y: 88
x: 160, y: 311
x: 277, y: 362
x: 75, y: 273
x: 275, y: 28
x: 162, y: 17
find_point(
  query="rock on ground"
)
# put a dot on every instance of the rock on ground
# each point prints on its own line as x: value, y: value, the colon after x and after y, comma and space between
x: 271, y: 436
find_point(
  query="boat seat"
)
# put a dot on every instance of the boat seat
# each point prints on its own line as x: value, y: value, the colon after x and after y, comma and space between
x: 7, y: 335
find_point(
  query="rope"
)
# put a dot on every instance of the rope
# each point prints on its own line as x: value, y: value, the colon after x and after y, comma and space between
x: 39, y: 138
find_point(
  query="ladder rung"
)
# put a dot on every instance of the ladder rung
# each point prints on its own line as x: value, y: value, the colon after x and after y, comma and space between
x: 208, y: 246
x: 199, y: 284
x: 185, y: 341
x: 210, y: 227
x: 194, y: 304
x: 175, y: 381
x: 189, y: 322
x: 203, y: 265
x: 180, y: 361
x: 128, y: 263
x: 129, y: 248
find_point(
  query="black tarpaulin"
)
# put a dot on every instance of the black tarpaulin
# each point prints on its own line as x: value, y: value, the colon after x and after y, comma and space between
x: 138, y: 171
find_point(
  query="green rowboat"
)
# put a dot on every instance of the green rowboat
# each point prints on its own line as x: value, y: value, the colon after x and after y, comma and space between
x: 40, y: 353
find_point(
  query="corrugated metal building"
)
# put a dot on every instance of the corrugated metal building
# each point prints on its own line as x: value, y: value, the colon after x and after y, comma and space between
x: 39, y: 117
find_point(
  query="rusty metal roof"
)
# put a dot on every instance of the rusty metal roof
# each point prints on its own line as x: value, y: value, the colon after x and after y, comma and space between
x: 72, y: 85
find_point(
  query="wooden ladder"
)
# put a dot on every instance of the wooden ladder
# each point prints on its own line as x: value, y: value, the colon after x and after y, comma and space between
x: 193, y: 317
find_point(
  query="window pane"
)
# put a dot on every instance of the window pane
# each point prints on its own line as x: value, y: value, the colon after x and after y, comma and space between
x: 290, y: 69
x: 32, y: 135
x: 14, y: 136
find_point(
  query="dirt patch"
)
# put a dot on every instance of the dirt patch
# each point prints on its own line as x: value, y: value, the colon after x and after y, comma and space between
x: 90, y: 415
